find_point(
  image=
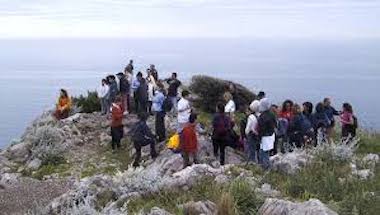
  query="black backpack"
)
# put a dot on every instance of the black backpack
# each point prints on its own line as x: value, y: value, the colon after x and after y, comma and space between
x: 167, y: 105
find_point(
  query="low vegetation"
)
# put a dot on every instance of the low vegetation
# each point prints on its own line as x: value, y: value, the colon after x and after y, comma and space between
x: 89, y: 103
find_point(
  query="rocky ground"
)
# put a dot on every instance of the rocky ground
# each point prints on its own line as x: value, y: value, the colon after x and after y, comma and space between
x: 67, y: 167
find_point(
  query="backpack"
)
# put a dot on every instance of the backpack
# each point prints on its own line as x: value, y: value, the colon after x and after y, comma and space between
x: 167, y: 105
x: 356, y: 124
x: 222, y: 127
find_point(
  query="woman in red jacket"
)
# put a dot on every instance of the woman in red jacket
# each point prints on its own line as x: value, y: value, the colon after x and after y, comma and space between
x: 189, y: 141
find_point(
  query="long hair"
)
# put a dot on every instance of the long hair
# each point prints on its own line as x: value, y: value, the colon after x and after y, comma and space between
x: 285, y: 103
x: 347, y: 107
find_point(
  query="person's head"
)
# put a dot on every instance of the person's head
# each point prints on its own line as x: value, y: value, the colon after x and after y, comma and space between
x: 120, y: 75
x: 63, y: 93
x: 261, y: 95
x: 254, y: 107
x: 264, y: 105
x: 152, y: 66
x: 130, y: 61
x: 227, y: 97
x: 185, y: 94
x: 174, y: 75
x: 327, y: 102
x: 139, y: 76
x: 320, y: 108
x: 297, y: 109
x: 104, y: 81
x: 111, y: 78
x: 220, y: 107
x: 193, y: 118
x: 274, y: 108
x: 307, y: 107
x: 142, y: 116
x: 347, y: 107
x: 287, y: 106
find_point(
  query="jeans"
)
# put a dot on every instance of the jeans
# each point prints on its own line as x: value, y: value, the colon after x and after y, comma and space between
x: 174, y: 101
x: 252, y: 147
x: 264, y: 159
x: 142, y: 106
x: 136, y: 101
x: 104, y: 105
x: 139, y: 145
x: 160, y: 125
x: 125, y: 99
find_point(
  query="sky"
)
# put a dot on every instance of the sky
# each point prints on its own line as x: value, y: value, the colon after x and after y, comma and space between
x: 340, y: 19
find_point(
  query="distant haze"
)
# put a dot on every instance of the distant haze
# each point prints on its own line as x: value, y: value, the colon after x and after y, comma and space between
x: 339, y: 19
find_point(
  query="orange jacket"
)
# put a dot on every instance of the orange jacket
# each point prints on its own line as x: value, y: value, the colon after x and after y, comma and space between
x: 64, y: 103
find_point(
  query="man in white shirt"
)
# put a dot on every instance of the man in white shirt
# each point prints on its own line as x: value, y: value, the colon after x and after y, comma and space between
x: 103, y: 96
x: 251, y: 131
x: 184, y: 110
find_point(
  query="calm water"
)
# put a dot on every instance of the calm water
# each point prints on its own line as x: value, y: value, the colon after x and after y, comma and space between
x: 32, y: 71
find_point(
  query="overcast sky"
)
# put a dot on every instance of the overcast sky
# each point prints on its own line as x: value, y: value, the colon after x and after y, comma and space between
x: 190, y: 18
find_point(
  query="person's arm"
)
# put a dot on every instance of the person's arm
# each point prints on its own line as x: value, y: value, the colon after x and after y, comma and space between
x: 335, y: 112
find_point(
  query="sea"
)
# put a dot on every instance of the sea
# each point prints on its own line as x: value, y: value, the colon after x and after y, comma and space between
x: 33, y: 70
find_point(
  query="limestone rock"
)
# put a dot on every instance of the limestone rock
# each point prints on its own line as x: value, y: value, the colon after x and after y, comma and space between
x: 267, y: 191
x: 34, y: 164
x: 291, y: 162
x: 278, y: 206
x: 200, y: 207
x: 156, y: 211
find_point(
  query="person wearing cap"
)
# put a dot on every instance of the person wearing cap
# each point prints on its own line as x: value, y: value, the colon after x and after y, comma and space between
x: 252, y: 131
x: 267, y: 124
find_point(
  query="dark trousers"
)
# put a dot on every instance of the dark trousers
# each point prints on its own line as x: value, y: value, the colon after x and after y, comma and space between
x: 186, y: 158
x: 219, y: 144
x: 149, y: 107
x: 136, y: 101
x: 139, y: 145
x: 116, y: 133
x: 160, y: 126
x: 142, y: 106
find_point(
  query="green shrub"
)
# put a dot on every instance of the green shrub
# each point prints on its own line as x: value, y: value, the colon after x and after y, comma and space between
x: 89, y: 103
x: 210, y: 91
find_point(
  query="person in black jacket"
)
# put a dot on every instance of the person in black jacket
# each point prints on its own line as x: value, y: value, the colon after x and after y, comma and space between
x: 142, y: 96
x: 300, y: 128
x: 267, y: 123
x: 174, y: 84
x: 124, y: 89
x: 142, y: 136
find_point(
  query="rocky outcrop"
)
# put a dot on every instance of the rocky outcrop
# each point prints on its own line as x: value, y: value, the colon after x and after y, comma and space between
x: 283, y: 207
x: 201, y: 208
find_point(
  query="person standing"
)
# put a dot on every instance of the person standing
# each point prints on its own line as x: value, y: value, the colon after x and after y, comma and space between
x: 230, y: 107
x: 252, y: 131
x: 184, y: 110
x: 63, y: 105
x: 142, y: 95
x: 151, y: 92
x: 158, y: 109
x: 113, y: 89
x: 135, y: 86
x: 267, y: 124
x: 117, y: 129
x: 331, y: 112
x: 174, y: 84
x: 103, y: 91
x: 154, y: 72
x: 222, y: 126
x: 124, y: 89
x: 129, y: 68
x: 142, y: 136
x: 189, y: 141
x: 349, y: 122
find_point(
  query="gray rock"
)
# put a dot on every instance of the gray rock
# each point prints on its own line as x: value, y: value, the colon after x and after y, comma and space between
x: 371, y: 160
x: 290, y: 163
x: 19, y: 152
x: 201, y: 208
x: 267, y: 191
x: 9, y: 178
x: 34, y: 164
x: 273, y: 206
x: 363, y: 173
x: 156, y: 211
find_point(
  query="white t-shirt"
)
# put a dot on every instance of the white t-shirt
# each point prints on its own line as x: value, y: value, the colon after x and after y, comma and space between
x: 230, y: 107
x: 184, y: 110
x: 102, y: 90
x: 251, y: 124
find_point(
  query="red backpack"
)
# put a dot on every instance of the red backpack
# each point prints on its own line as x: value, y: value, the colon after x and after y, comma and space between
x: 222, y: 126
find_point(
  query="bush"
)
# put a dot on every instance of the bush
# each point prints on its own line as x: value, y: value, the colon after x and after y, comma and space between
x: 48, y: 146
x: 88, y: 104
x: 210, y: 91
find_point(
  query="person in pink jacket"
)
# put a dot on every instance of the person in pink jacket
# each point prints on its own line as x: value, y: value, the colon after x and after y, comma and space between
x: 349, y: 122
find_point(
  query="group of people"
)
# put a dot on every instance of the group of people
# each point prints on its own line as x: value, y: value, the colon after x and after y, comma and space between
x: 264, y: 129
